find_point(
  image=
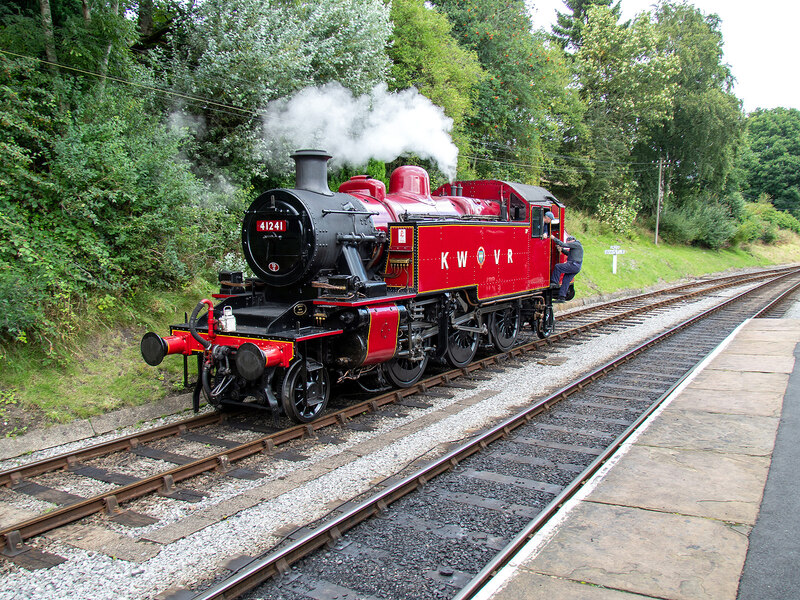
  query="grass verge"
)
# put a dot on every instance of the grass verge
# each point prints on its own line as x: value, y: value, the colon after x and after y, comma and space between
x: 105, y: 371
x: 102, y: 372
x: 645, y: 264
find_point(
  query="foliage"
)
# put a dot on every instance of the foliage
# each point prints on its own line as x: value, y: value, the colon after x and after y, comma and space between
x: 701, y: 221
x: 715, y: 225
x: 756, y: 230
x: 568, y: 30
x: 94, y: 202
x: 347, y: 40
x: 781, y: 218
x: 645, y: 264
x: 699, y: 134
x: 29, y: 122
x: 264, y: 50
x: 425, y: 55
x: 374, y: 168
x: 97, y: 199
x: 619, y: 209
x: 761, y: 221
x: 626, y: 85
x: 772, y: 163
x: 525, y: 105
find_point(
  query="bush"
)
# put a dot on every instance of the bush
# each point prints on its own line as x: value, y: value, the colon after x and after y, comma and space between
x: 764, y: 210
x: 769, y: 234
x: 735, y: 203
x: 750, y: 230
x: 761, y: 221
x: 619, y: 209
x: 677, y: 226
x: 699, y: 222
x: 715, y: 225
x: 94, y: 202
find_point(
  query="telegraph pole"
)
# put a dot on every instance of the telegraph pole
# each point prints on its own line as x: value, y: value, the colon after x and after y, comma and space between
x: 660, y: 193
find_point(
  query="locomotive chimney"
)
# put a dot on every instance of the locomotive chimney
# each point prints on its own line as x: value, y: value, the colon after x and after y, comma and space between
x: 311, y: 171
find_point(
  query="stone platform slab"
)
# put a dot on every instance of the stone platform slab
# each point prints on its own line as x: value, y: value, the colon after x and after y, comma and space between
x: 672, y: 518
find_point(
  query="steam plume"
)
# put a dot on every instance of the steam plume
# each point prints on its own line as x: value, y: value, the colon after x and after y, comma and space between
x: 379, y: 125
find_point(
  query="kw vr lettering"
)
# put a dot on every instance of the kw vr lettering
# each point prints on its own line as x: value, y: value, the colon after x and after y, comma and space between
x: 461, y: 258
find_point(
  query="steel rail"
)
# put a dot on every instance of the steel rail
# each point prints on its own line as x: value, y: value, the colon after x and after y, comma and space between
x: 514, y: 546
x: 278, y: 562
x: 777, y: 301
x: 14, y: 475
x: 12, y: 536
x: 732, y: 280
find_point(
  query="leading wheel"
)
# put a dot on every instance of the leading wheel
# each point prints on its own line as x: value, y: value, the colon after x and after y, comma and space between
x: 504, y: 327
x: 546, y: 325
x: 462, y: 344
x: 305, y: 391
x: 404, y: 372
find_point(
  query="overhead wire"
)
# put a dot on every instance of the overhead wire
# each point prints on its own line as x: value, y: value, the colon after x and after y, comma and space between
x: 546, y: 169
x: 217, y: 106
x: 497, y: 146
x: 635, y: 167
x: 212, y: 104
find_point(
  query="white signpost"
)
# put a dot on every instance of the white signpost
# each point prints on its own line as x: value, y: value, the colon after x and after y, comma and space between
x: 614, y: 251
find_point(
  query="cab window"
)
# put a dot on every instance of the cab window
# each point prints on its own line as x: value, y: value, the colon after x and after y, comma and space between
x: 517, y: 210
x: 555, y: 226
x: 537, y: 221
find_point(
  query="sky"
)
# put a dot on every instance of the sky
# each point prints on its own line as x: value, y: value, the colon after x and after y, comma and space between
x: 761, y: 43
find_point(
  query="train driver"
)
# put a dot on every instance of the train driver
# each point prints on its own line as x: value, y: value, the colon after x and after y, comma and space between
x: 574, y: 251
x: 549, y: 217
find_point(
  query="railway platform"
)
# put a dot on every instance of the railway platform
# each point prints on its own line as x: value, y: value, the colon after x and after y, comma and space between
x: 702, y: 504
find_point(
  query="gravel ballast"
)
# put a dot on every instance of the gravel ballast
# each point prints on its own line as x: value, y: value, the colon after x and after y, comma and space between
x: 196, y: 557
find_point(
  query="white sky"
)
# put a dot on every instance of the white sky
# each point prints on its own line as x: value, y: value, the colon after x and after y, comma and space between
x: 761, y: 42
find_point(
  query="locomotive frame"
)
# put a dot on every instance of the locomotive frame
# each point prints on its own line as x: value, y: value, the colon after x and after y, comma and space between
x: 368, y: 285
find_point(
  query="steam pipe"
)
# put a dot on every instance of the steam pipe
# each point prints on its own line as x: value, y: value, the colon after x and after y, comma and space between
x: 359, y: 238
x: 193, y: 323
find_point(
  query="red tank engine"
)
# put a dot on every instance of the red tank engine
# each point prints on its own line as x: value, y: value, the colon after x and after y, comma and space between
x: 369, y: 285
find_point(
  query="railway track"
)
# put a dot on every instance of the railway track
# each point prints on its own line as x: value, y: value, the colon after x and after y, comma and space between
x: 442, y: 530
x: 778, y: 308
x: 164, y: 482
x: 622, y: 308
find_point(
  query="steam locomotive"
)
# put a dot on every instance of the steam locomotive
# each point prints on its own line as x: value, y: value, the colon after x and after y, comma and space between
x: 368, y: 285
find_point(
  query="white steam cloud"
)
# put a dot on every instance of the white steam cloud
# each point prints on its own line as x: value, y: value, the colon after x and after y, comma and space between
x: 380, y: 125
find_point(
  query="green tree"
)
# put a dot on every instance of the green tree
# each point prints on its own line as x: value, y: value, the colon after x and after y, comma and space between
x: 626, y: 83
x: 525, y: 105
x: 263, y: 50
x: 94, y: 197
x: 568, y: 29
x: 771, y: 165
x: 93, y: 202
x: 700, y: 134
x: 425, y: 55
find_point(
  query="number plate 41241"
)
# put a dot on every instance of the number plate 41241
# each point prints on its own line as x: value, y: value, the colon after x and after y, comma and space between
x: 271, y: 225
